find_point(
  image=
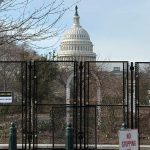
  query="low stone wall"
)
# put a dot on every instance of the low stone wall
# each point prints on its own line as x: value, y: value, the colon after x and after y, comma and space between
x: 62, y: 147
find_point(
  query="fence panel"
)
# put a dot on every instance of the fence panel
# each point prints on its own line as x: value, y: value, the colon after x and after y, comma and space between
x: 106, y: 88
x: 142, y: 97
x: 13, y: 100
x: 55, y: 84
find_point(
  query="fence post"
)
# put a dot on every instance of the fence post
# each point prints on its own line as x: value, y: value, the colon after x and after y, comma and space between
x: 12, y: 137
x: 69, y: 137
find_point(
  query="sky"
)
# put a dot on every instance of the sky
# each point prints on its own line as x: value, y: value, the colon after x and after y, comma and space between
x: 118, y: 29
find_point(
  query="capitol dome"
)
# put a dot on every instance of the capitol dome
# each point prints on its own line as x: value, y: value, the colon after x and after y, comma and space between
x: 76, y: 33
x: 76, y: 43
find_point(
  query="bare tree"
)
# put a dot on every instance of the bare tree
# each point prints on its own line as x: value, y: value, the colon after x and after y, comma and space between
x: 15, y: 52
x: 21, y: 20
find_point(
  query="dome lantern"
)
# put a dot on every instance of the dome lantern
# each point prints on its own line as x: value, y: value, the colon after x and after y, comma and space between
x: 76, y: 11
x: 76, y: 17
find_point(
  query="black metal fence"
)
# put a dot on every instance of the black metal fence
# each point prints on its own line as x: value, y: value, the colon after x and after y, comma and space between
x: 106, y: 89
x: 95, y: 97
x: 13, y: 100
x: 142, y: 101
x: 55, y: 95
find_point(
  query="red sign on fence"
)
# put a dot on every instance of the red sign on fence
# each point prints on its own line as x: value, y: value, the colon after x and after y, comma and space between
x: 128, y: 139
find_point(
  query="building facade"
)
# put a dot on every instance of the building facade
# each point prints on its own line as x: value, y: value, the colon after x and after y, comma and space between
x: 76, y: 44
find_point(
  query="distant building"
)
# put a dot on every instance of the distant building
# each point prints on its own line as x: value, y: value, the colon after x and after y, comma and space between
x: 117, y: 71
x: 76, y: 44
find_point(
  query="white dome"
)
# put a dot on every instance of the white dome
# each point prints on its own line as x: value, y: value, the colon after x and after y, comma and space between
x: 76, y: 44
x: 76, y: 32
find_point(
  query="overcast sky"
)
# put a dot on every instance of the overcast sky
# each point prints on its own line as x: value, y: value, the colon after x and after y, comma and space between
x: 119, y: 29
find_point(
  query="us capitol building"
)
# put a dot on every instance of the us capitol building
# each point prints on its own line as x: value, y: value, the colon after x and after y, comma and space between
x: 76, y: 44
